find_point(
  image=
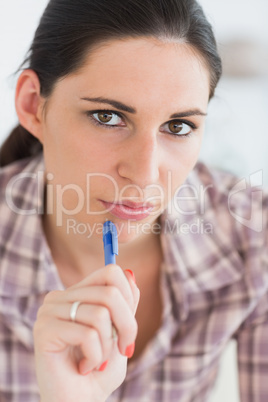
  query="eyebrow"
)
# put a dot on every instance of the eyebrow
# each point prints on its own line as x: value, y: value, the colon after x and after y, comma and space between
x: 129, y: 109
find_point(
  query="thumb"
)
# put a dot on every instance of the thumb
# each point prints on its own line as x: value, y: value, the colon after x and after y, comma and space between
x: 135, y: 290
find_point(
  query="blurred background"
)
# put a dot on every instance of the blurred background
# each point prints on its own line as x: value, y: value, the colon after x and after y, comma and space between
x: 236, y: 137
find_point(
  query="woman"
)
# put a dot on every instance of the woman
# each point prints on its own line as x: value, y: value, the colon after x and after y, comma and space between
x: 112, y: 105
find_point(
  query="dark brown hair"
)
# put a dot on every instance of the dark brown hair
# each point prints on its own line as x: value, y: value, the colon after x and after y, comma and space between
x: 68, y: 30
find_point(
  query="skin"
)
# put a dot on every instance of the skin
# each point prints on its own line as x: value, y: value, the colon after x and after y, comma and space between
x: 157, y: 79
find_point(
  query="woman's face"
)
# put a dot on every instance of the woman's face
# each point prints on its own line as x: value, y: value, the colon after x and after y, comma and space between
x: 121, y: 134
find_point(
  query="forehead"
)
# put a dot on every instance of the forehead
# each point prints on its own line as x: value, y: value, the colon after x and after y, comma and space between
x: 146, y: 68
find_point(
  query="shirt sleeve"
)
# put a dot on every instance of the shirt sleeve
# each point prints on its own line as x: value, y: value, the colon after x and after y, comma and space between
x: 252, y: 355
x: 252, y: 336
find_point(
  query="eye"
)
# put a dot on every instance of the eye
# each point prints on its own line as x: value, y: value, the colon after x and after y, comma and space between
x: 107, y: 118
x: 179, y: 128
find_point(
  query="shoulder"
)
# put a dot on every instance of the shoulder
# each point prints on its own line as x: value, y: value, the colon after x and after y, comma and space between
x: 11, y: 170
x: 232, y: 204
x: 18, y: 179
x: 220, y: 186
x: 218, y: 223
x: 21, y: 237
x: 20, y: 197
x: 215, y: 236
x: 22, y: 169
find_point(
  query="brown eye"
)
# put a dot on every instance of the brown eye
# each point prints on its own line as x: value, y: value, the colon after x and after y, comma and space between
x: 179, y: 128
x: 105, y: 117
x: 175, y: 127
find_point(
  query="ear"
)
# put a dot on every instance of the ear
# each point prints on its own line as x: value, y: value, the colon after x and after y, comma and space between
x: 29, y: 103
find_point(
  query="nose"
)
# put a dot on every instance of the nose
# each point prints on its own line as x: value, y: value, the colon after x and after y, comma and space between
x: 140, y: 160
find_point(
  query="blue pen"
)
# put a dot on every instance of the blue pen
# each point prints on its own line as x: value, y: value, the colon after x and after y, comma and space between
x: 110, y: 242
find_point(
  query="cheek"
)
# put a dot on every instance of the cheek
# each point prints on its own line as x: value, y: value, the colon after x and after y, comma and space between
x: 67, y: 149
x: 62, y: 133
x: 179, y: 163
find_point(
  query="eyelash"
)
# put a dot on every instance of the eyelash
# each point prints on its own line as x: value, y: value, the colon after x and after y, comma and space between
x: 110, y: 126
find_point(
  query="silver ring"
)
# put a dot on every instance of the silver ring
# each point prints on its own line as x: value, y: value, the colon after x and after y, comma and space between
x: 73, y: 310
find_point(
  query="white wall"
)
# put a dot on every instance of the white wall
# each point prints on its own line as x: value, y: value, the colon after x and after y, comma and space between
x: 236, y: 137
x: 18, y: 20
x: 232, y: 18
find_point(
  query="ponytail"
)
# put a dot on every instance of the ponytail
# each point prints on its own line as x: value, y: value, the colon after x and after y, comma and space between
x: 18, y: 145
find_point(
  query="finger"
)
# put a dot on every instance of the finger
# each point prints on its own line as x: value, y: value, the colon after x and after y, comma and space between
x: 109, y: 297
x: 94, y: 316
x: 54, y: 336
x: 127, y: 329
x: 110, y: 275
x: 135, y: 290
x: 121, y: 314
x: 85, y: 366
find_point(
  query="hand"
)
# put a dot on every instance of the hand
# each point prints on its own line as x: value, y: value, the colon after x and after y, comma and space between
x: 69, y: 354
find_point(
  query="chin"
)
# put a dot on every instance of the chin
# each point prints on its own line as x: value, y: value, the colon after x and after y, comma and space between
x: 129, y: 231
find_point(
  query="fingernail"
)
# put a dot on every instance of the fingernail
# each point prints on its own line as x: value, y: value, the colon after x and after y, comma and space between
x: 86, y: 372
x: 103, y: 366
x: 132, y: 274
x: 130, y: 350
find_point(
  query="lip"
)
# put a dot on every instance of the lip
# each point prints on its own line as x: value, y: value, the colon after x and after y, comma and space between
x: 128, y: 210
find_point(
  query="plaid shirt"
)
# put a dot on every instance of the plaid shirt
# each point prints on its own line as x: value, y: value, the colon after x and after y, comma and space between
x: 214, y: 288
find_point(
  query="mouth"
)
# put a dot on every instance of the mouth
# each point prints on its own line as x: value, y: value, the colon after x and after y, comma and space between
x: 128, y: 210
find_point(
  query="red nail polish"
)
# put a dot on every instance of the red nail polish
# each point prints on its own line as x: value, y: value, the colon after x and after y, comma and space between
x: 132, y: 274
x: 86, y: 372
x: 103, y: 366
x: 130, y: 350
